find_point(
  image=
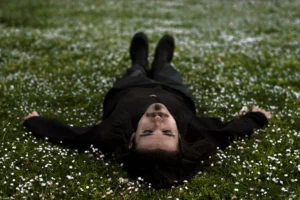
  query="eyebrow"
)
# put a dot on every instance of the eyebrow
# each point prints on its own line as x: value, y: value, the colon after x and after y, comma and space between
x: 170, y: 134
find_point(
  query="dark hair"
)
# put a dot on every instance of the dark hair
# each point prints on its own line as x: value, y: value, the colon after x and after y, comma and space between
x: 160, y: 168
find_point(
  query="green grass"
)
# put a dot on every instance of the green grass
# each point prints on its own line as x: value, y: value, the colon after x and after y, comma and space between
x: 61, y: 57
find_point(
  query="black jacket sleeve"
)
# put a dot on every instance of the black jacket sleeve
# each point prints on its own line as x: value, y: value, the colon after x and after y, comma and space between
x: 56, y: 132
x: 246, y: 124
x: 223, y: 134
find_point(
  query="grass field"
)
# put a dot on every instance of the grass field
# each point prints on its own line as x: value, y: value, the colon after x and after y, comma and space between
x: 61, y: 57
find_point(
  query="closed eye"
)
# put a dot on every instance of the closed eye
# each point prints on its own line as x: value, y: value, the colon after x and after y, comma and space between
x: 146, y: 133
x: 168, y: 133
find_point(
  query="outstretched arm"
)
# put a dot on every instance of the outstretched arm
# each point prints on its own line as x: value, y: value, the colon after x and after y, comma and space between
x: 223, y: 134
x: 56, y: 132
x: 241, y: 127
x: 245, y: 124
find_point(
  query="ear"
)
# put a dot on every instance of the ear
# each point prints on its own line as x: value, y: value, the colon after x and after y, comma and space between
x: 131, y: 140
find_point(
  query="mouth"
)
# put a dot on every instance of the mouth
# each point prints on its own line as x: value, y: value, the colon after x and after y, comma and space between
x: 157, y: 113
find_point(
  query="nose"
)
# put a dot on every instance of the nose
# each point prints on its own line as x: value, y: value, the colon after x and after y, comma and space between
x: 158, y: 119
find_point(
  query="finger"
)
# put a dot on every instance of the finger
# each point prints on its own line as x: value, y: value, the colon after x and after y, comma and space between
x: 255, y: 108
x: 23, y: 120
x: 268, y: 115
x: 35, y: 113
x: 28, y: 116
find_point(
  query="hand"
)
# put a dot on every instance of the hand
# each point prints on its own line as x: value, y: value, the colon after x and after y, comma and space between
x: 33, y: 114
x: 266, y: 113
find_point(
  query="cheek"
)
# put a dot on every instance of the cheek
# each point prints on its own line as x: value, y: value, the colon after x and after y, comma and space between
x: 141, y: 123
x: 174, y: 123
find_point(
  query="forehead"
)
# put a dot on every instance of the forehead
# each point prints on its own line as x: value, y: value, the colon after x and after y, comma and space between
x: 157, y: 142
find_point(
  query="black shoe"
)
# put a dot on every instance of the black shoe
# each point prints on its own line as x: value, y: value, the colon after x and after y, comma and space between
x: 165, y: 49
x: 139, y: 50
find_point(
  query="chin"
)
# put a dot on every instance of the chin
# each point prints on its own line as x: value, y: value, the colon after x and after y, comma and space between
x: 158, y: 107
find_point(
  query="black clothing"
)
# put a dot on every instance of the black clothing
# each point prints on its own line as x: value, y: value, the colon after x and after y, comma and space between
x: 133, y: 94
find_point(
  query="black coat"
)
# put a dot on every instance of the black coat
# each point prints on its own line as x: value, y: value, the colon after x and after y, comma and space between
x: 135, y: 101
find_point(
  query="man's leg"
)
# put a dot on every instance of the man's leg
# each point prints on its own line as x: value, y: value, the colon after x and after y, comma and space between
x: 162, y: 70
x: 136, y: 75
x: 169, y: 76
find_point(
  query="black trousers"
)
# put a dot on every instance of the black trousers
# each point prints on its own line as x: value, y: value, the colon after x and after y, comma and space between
x: 161, y: 74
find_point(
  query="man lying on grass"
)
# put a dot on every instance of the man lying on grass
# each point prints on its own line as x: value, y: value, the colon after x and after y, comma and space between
x: 149, y: 122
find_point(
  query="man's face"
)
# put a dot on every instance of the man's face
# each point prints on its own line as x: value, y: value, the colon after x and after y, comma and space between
x: 156, y: 129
